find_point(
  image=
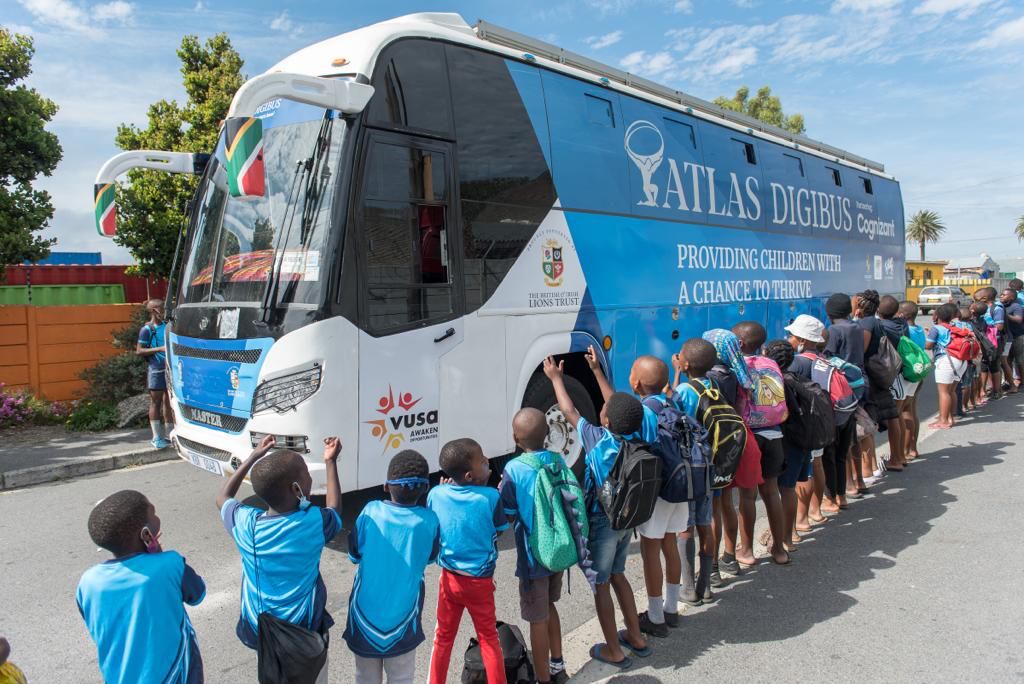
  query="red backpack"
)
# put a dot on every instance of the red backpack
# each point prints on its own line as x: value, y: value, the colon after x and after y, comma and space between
x: 963, y: 345
x: 833, y: 381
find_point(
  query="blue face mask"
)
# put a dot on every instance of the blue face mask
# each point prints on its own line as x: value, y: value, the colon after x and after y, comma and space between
x: 303, y: 500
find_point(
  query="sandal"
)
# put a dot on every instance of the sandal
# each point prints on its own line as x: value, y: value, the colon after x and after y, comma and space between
x: 638, y: 652
x: 595, y: 653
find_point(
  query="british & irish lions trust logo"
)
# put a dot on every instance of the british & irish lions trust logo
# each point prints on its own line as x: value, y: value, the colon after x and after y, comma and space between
x: 646, y: 157
x: 552, y: 264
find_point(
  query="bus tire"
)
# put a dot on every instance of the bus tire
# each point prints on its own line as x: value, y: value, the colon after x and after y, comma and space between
x: 540, y: 394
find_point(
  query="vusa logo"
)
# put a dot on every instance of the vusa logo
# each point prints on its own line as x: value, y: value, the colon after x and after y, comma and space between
x: 400, y: 423
x: 552, y: 263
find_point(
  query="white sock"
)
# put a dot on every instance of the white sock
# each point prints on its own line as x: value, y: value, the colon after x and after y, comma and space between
x: 165, y: 431
x: 671, y: 598
x: 154, y: 425
x: 655, y: 609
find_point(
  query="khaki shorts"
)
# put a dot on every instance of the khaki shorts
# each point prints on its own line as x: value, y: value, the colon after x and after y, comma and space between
x: 536, y: 595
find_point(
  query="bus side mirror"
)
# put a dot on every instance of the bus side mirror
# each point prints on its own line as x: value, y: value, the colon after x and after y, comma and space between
x: 243, y: 152
x: 105, y: 207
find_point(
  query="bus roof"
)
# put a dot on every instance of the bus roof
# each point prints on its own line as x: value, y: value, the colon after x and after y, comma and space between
x: 355, y: 54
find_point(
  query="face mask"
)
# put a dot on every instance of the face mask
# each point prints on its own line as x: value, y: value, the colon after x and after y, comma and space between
x: 800, y: 349
x: 153, y: 545
x: 303, y: 501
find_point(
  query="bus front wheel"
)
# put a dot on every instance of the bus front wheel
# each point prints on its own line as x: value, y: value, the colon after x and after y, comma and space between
x: 562, y: 439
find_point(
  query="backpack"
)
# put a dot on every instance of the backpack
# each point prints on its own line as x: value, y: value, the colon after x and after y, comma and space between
x: 963, y: 345
x: 685, y: 454
x: 559, y: 515
x: 833, y: 381
x: 766, y: 404
x: 988, y: 348
x: 916, y: 362
x: 854, y: 376
x: 630, y: 491
x: 727, y: 433
x: 885, y: 365
x: 518, y: 669
x: 811, y: 424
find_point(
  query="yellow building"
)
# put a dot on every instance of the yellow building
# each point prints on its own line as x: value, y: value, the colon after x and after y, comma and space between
x: 921, y: 274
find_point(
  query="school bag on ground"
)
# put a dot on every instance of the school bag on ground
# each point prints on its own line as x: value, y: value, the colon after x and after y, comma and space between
x: 766, y: 404
x: 963, y: 345
x: 811, y: 424
x: 631, y: 490
x: 834, y: 383
x: 518, y: 669
x: 727, y: 433
x: 885, y: 365
x: 685, y: 454
x: 916, y: 362
x: 559, y: 515
x: 854, y: 376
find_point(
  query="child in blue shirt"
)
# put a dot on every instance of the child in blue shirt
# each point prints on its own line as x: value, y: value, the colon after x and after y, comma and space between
x: 132, y: 604
x: 622, y: 417
x: 539, y: 588
x: 151, y: 347
x: 281, y: 547
x: 471, y: 517
x: 392, y: 542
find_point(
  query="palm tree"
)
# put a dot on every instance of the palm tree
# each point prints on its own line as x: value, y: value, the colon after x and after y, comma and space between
x: 926, y: 226
x: 1019, y: 230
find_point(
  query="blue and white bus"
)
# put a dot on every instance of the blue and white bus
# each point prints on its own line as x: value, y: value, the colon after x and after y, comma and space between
x: 444, y: 205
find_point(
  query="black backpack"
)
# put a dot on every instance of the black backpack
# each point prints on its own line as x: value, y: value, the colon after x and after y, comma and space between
x: 518, y: 669
x: 685, y: 455
x: 630, y: 491
x: 726, y: 433
x: 988, y: 350
x: 811, y: 423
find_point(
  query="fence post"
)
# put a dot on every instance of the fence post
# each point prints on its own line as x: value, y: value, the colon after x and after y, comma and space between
x: 33, y: 350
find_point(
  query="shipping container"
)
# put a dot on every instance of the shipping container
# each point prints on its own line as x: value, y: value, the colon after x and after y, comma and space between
x: 61, y: 295
x: 135, y: 289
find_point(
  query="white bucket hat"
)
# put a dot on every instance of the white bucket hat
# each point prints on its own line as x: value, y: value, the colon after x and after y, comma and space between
x: 807, y: 328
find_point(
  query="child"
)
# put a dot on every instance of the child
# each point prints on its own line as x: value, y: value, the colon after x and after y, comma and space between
x: 392, y: 542
x: 9, y: 672
x: 752, y: 337
x: 622, y: 417
x: 966, y: 390
x: 151, y: 347
x: 893, y: 328
x: 658, y: 536
x: 281, y: 547
x: 696, y: 357
x: 948, y: 371
x: 133, y: 603
x: 979, y: 324
x: 911, y: 422
x: 995, y: 317
x: 539, y: 588
x: 471, y: 518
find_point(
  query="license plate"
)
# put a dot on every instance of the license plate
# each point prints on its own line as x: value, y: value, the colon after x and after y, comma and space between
x: 209, y: 464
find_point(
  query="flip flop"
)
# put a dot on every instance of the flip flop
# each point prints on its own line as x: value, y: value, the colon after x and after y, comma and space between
x: 939, y: 426
x: 595, y: 653
x: 638, y: 652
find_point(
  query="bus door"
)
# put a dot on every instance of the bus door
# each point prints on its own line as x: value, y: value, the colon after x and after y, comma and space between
x: 410, y: 310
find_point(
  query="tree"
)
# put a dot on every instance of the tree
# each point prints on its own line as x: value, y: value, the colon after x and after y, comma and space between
x: 925, y: 226
x: 27, y: 149
x: 764, y: 107
x: 1019, y: 230
x: 151, y: 206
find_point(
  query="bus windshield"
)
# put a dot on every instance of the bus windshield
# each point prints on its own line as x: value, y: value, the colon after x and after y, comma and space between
x: 267, y: 250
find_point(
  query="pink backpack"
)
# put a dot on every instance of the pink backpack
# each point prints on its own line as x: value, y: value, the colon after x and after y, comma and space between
x: 993, y: 335
x: 765, y: 404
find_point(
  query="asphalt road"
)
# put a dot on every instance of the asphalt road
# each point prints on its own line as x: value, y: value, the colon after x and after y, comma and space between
x: 917, y: 582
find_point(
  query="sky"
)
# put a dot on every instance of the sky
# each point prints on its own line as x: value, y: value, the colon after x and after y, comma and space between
x: 930, y: 88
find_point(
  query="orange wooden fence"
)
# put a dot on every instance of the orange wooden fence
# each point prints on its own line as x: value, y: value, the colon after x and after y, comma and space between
x: 45, y: 348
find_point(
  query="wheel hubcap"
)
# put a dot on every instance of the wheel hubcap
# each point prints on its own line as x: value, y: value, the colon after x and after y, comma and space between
x: 562, y: 437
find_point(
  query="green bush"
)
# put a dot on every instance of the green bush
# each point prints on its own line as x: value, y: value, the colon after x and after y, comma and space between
x: 93, y: 416
x: 115, y: 378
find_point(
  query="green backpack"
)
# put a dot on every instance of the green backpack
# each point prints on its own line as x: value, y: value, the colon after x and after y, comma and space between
x: 916, y: 363
x: 559, y: 515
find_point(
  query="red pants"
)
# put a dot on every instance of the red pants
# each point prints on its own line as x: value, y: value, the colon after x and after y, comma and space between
x: 475, y: 594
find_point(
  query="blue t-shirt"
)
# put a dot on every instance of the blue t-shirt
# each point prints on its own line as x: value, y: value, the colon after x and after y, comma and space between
x: 281, y: 565
x: 601, y: 447
x: 1015, y: 309
x: 687, y: 397
x: 517, y: 485
x: 153, y: 336
x: 846, y: 340
x: 939, y: 335
x: 471, y: 518
x: 392, y: 544
x: 133, y: 609
x: 917, y: 335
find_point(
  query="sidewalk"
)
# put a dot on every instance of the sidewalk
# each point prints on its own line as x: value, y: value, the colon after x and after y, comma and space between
x: 42, y: 454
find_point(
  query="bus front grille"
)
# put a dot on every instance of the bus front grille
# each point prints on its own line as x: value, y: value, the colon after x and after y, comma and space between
x: 232, y: 355
x: 204, y: 449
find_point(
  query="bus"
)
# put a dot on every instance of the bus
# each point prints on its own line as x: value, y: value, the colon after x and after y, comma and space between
x: 400, y: 223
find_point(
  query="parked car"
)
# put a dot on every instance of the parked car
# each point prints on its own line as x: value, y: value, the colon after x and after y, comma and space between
x: 934, y: 296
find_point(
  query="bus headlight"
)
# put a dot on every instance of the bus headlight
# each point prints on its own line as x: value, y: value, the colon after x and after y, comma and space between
x: 288, y: 391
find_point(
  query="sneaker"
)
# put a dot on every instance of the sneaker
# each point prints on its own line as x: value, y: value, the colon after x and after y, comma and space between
x: 716, y: 577
x: 560, y: 677
x: 652, y: 628
x: 729, y: 564
x: 160, y: 443
x: 672, y: 619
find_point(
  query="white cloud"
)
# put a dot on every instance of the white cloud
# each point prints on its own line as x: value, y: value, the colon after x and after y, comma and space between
x: 79, y: 18
x: 118, y: 11
x: 863, y: 5
x: 963, y: 8
x: 283, y: 23
x: 683, y: 6
x: 611, y: 6
x: 200, y: 6
x: 598, y: 42
x: 644, y: 64
x: 745, y: 4
x: 1010, y: 32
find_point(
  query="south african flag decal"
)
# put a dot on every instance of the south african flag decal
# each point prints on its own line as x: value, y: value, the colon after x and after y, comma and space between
x: 105, y: 208
x: 243, y: 138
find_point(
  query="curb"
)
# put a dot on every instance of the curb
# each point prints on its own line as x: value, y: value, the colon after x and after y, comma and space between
x: 27, y: 477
